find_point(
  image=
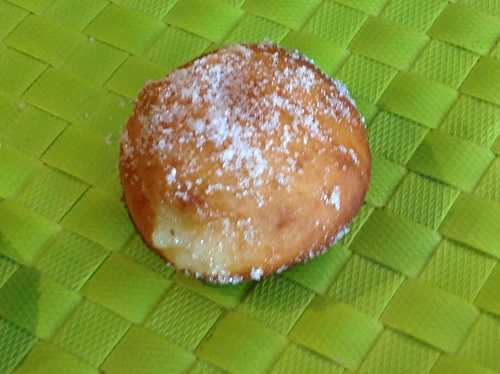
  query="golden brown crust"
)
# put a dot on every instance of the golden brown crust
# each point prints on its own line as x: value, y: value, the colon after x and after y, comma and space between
x: 243, y: 162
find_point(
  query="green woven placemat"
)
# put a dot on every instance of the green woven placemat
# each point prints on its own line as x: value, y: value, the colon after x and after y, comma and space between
x: 415, y: 286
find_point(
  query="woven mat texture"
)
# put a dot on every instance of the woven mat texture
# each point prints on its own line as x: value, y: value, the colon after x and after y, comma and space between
x: 415, y: 286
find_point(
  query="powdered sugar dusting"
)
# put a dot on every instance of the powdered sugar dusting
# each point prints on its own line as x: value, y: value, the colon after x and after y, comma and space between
x: 350, y: 152
x: 342, y: 232
x: 256, y: 273
x: 171, y: 176
x: 333, y: 198
x: 210, y: 112
x: 343, y: 91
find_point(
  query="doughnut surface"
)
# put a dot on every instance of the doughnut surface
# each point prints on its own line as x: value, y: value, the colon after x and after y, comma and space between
x: 243, y: 162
